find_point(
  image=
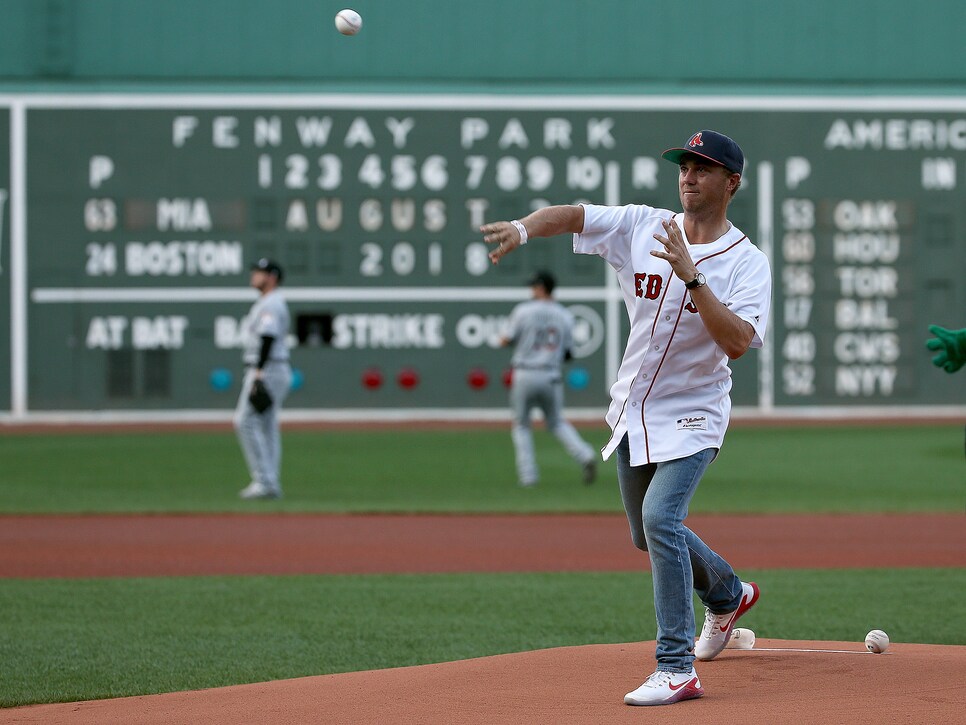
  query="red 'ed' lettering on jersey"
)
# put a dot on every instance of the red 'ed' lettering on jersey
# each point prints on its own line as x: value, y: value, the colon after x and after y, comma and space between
x: 648, y: 285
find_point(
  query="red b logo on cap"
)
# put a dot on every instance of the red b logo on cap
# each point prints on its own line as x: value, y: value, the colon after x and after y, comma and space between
x: 696, y: 140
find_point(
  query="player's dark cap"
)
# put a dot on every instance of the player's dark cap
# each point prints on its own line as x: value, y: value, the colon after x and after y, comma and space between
x: 267, y: 265
x: 712, y: 146
x: 544, y: 279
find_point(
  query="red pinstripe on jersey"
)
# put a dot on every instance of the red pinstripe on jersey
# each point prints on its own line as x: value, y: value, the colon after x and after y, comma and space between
x: 667, y: 347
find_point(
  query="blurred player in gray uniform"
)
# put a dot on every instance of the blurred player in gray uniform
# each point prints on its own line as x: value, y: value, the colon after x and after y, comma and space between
x: 266, y: 358
x: 541, y: 330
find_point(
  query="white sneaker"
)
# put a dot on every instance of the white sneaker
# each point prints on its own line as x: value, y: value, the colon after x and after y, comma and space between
x: 718, y: 627
x: 664, y: 688
x: 256, y: 490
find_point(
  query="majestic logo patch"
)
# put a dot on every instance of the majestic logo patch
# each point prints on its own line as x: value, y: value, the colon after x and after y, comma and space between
x: 693, y: 422
x: 696, y: 140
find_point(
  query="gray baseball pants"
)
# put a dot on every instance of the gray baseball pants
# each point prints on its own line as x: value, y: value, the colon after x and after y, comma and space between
x: 543, y: 390
x: 259, y: 433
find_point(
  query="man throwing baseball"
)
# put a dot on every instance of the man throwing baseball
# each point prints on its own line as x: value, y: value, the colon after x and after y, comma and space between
x: 697, y: 293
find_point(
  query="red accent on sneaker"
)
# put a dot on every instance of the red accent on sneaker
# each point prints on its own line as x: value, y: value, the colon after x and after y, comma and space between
x: 660, y: 689
x: 747, y: 604
x: 743, y: 607
x: 702, y: 644
x: 687, y: 691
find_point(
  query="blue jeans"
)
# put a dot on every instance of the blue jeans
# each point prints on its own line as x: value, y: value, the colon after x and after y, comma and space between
x: 656, y: 498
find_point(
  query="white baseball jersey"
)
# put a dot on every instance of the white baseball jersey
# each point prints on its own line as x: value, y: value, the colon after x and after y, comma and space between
x: 672, y: 391
x: 268, y: 317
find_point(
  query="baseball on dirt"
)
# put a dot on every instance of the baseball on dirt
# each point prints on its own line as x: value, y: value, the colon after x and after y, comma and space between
x: 348, y: 22
x: 877, y: 641
x: 741, y: 638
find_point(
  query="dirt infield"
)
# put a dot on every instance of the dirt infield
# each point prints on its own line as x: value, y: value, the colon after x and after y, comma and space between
x: 775, y: 683
x: 576, y: 685
x: 166, y: 545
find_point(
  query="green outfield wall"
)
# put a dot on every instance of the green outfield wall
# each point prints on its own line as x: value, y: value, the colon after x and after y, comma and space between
x: 546, y: 42
x: 150, y: 151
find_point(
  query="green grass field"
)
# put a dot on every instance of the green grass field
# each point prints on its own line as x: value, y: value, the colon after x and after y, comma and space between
x: 837, y: 469
x: 65, y: 640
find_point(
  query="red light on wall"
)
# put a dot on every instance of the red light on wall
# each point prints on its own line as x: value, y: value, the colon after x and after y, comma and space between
x: 372, y: 378
x: 477, y: 378
x: 407, y: 378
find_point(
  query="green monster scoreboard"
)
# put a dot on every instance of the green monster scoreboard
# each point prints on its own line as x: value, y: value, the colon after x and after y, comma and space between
x: 128, y: 225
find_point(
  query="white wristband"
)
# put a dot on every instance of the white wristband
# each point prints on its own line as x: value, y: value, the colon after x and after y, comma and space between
x: 522, y: 229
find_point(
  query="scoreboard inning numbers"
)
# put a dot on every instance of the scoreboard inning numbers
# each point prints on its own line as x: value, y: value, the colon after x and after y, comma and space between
x: 139, y: 218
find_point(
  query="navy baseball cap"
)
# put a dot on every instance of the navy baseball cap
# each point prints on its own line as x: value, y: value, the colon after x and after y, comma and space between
x: 544, y: 279
x: 712, y: 146
x: 267, y: 265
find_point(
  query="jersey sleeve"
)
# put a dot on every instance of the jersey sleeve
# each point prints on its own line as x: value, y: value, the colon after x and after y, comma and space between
x: 608, y: 231
x: 751, y: 295
x: 269, y: 322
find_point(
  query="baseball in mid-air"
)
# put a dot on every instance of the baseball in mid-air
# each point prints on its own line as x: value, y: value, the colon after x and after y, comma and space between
x: 877, y: 641
x: 348, y: 22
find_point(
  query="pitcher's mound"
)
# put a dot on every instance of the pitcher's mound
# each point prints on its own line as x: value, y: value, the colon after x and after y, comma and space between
x: 777, y: 682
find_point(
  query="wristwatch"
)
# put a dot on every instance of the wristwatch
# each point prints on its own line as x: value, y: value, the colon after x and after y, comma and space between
x: 698, y: 281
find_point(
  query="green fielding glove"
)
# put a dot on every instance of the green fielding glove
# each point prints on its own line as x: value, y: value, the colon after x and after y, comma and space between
x: 951, y: 345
